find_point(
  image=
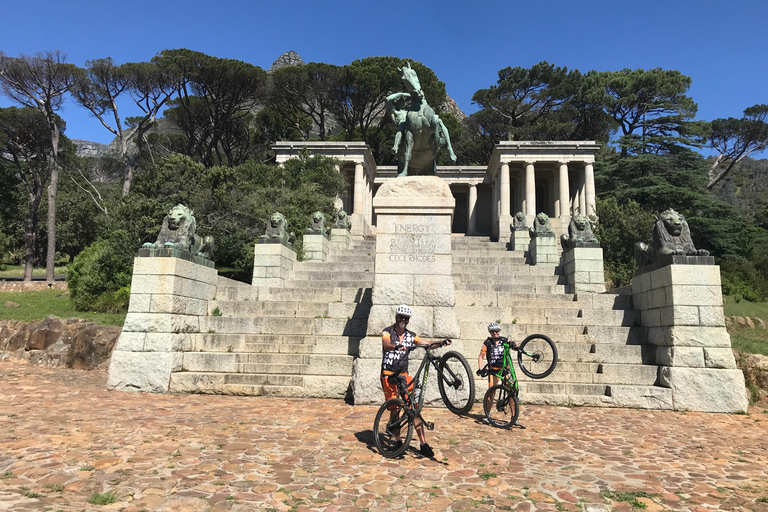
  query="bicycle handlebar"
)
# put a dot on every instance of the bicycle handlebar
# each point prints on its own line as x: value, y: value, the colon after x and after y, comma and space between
x: 431, y: 346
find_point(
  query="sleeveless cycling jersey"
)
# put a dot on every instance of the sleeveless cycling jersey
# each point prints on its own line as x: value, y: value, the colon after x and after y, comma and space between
x: 394, y: 361
x: 495, y: 351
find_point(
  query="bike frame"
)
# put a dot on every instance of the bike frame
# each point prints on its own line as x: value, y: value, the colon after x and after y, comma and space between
x: 432, y: 359
x: 509, y: 378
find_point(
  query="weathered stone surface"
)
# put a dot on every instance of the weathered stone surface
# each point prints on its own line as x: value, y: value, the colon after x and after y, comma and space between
x: 704, y: 389
x: 142, y: 371
x: 755, y: 368
x: 691, y: 357
x: 9, y: 304
x: 55, y: 342
x: 719, y: 358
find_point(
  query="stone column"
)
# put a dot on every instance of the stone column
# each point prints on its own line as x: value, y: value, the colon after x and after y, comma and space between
x: 358, y: 209
x: 556, y: 195
x: 589, y: 190
x: 505, y: 216
x: 472, y: 210
x: 495, y: 208
x: 168, y: 297
x: 681, y: 305
x: 565, y: 193
x: 582, y: 195
x: 530, y: 193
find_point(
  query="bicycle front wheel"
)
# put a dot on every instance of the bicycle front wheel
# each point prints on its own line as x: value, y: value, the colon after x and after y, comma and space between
x: 501, y: 406
x: 392, y: 429
x: 456, y: 383
x: 537, y: 356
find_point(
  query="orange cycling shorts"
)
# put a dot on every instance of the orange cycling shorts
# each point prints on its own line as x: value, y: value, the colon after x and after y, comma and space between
x: 390, y: 390
x: 492, y: 378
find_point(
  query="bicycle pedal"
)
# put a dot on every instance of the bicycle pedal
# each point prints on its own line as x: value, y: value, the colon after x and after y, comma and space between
x: 430, y: 425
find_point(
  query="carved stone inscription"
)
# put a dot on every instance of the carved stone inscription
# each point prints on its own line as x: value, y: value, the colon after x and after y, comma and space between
x: 412, y: 243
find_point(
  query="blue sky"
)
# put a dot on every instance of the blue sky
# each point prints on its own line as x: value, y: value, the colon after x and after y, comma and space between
x: 721, y: 45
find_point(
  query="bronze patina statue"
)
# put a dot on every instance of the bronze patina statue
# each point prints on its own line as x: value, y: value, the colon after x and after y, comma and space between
x: 422, y: 128
x: 671, y: 236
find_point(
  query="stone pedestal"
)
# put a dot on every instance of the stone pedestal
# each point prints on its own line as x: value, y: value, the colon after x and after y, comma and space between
x: 316, y: 247
x: 544, y: 249
x: 168, y: 297
x: 681, y: 304
x: 413, y: 256
x: 583, y: 267
x: 340, y: 238
x: 272, y: 262
x: 520, y: 239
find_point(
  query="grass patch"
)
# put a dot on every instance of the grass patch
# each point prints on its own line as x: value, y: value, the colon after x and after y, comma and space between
x: 750, y: 341
x: 629, y: 497
x: 38, y: 305
x: 18, y: 271
x: 486, y: 476
x: 745, y: 308
x: 106, y: 498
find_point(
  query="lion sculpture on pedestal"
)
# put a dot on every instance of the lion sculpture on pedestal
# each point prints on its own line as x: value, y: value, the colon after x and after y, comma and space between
x: 178, y: 232
x: 518, y: 222
x: 541, y: 226
x: 671, y: 235
x: 342, y: 220
x: 579, y: 230
x: 277, y: 229
x: 316, y: 224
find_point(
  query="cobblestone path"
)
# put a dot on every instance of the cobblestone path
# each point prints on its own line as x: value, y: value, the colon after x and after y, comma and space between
x: 65, y: 440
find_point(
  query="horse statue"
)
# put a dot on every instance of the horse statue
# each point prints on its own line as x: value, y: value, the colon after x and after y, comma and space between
x: 423, y: 130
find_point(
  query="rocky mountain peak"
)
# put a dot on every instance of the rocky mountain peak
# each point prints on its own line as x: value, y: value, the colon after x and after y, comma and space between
x: 289, y: 58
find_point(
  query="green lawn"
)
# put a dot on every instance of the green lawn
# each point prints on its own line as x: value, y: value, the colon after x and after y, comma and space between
x: 38, y: 305
x: 18, y: 271
x: 750, y: 341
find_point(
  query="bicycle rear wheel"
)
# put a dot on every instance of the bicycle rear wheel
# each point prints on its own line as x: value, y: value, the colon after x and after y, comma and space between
x: 537, y: 356
x: 501, y: 406
x: 456, y: 383
x: 392, y: 422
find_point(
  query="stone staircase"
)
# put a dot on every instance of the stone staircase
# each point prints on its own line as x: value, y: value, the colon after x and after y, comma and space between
x: 297, y: 340
x: 601, y: 360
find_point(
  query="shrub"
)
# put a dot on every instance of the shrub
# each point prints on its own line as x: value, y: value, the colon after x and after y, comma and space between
x: 100, y: 275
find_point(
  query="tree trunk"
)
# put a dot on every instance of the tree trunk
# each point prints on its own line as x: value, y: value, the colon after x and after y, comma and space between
x: 53, y: 188
x: 30, y: 234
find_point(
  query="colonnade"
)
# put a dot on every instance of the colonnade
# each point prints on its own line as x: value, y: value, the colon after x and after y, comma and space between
x: 556, y: 178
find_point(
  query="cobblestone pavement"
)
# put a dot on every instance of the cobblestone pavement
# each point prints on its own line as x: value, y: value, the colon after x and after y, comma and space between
x: 65, y: 440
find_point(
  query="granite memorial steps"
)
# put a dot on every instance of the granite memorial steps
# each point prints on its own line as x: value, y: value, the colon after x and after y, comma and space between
x: 297, y: 309
x: 284, y: 325
x: 502, y: 268
x: 325, y: 386
x: 495, y: 299
x: 498, y: 278
x: 276, y: 343
x: 536, y: 288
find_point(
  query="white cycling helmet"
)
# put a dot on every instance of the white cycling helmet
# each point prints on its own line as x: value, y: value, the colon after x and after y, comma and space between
x: 494, y: 326
x: 404, y: 310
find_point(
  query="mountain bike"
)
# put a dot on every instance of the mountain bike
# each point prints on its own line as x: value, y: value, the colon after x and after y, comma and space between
x: 537, y: 358
x: 393, y: 426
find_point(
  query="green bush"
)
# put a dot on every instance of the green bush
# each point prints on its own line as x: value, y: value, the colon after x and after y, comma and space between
x: 100, y: 275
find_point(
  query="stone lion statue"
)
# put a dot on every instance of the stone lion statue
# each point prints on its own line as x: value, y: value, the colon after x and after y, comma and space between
x: 579, y: 230
x: 671, y: 235
x: 541, y: 226
x: 316, y: 224
x: 178, y: 231
x: 342, y: 220
x: 518, y: 222
x: 277, y: 229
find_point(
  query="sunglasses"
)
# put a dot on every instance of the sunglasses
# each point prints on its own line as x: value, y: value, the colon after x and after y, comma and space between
x: 398, y: 318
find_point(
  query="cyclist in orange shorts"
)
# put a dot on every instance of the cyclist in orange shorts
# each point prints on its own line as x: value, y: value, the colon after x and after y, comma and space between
x: 394, y: 340
x: 493, y: 350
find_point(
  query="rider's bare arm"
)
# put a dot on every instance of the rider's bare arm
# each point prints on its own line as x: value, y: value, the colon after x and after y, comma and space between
x: 387, y: 343
x: 481, y: 357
